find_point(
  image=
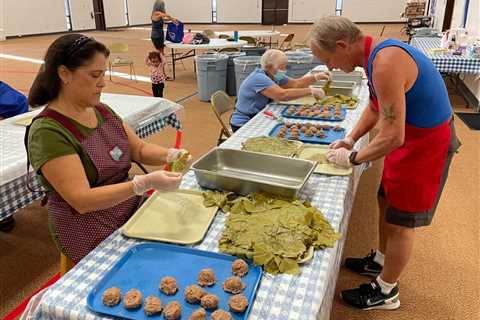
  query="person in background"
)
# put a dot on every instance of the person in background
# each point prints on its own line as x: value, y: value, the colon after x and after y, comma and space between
x: 158, y: 17
x: 82, y: 151
x: 157, y: 73
x: 269, y: 83
x: 409, y: 105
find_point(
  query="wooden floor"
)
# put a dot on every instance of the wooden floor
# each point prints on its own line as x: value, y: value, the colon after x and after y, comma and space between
x: 442, y: 280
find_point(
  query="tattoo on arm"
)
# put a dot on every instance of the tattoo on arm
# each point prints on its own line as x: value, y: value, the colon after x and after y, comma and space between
x: 388, y: 114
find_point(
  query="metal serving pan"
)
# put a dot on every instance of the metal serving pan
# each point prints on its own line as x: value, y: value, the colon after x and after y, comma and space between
x: 244, y: 172
x: 355, y: 76
x: 339, y: 87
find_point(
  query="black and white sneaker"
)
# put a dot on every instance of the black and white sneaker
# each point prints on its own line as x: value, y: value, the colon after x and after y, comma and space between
x: 369, y: 296
x: 364, y: 266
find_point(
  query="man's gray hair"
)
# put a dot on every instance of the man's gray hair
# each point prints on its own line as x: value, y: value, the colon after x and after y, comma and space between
x: 159, y: 5
x: 272, y: 57
x: 327, y: 31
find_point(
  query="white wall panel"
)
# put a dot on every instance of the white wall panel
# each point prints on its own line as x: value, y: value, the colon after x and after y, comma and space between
x: 440, y: 6
x: 115, y: 15
x: 198, y: 11
x: 140, y: 11
x: 2, y: 20
x: 239, y: 11
x: 22, y: 17
x: 81, y: 12
x: 373, y: 10
x: 310, y: 10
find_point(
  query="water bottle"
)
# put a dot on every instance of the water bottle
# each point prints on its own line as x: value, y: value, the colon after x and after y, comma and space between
x: 235, y: 35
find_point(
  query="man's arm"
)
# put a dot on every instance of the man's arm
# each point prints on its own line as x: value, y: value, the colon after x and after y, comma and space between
x: 367, y: 121
x: 391, y: 80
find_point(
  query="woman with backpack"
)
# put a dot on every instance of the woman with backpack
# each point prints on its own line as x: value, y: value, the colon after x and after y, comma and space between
x: 159, y: 16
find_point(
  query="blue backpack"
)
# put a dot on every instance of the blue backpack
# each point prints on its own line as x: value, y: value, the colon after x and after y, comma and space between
x: 175, y: 32
x: 12, y: 102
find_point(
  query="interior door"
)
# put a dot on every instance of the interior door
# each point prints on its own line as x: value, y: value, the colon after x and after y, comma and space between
x: 99, y: 14
x: 447, y: 19
x: 81, y: 12
x: 275, y: 12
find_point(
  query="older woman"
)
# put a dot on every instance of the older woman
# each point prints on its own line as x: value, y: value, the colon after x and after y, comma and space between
x: 271, y: 83
x: 159, y: 16
x: 82, y: 150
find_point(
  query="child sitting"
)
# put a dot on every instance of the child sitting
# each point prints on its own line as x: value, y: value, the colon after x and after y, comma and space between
x: 157, y: 72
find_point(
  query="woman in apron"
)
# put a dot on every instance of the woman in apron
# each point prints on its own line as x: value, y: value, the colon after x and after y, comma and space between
x: 82, y: 150
x: 410, y: 106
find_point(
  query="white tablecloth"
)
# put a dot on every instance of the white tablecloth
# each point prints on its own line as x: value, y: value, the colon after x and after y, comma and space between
x: 214, y: 44
x: 134, y: 110
x: 251, y: 33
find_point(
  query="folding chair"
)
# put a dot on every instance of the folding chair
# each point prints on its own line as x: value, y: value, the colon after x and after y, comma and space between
x: 250, y: 40
x: 120, y: 60
x: 287, y: 42
x: 221, y: 104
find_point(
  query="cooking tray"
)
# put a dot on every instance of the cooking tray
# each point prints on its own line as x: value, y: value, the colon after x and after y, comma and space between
x: 244, y: 172
x: 318, y: 152
x: 143, y: 266
x: 330, y: 137
x: 331, y: 111
x: 177, y: 217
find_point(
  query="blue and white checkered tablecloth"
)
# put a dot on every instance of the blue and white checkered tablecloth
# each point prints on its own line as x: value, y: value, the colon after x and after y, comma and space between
x: 14, y: 195
x: 446, y: 62
x: 307, y: 296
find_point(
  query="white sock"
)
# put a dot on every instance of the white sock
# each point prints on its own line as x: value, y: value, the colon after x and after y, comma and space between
x: 385, y: 286
x: 379, y: 258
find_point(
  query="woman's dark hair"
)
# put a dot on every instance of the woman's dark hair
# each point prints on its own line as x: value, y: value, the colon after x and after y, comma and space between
x: 154, y: 55
x: 72, y: 51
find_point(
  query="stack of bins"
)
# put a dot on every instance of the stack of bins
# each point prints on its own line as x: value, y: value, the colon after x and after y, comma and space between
x: 243, y: 67
x: 231, y: 83
x: 299, y: 63
x: 211, y: 74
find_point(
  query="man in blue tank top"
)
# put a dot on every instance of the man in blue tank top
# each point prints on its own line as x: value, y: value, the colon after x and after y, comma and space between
x: 409, y: 105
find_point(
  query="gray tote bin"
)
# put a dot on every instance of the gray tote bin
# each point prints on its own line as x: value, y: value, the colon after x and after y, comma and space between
x: 299, y: 63
x: 211, y: 74
x: 253, y: 51
x: 243, y: 67
x: 231, y: 83
x: 315, y: 61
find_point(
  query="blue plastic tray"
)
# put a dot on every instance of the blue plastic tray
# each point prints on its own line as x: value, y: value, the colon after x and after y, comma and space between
x: 143, y: 266
x: 331, y: 136
x: 342, y: 117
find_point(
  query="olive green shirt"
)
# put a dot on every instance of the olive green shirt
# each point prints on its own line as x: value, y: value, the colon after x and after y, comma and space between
x: 48, y: 140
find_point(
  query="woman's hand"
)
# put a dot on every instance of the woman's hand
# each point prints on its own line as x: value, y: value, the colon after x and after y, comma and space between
x: 322, y: 75
x: 173, y: 155
x: 317, y: 93
x: 159, y: 180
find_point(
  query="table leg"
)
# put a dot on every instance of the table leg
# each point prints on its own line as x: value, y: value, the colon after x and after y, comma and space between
x: 173, y: 62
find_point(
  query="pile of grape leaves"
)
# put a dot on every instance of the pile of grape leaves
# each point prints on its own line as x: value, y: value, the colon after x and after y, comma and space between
x: 275, y: 232
x: 272, y: 145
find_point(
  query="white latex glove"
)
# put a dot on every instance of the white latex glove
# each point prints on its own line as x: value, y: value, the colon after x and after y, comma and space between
x: 159, y: 180
x: 322, y: 75
x: 346, y: 143
x: 339, y: 157
x: 173, y: 154
x: 318, y: 93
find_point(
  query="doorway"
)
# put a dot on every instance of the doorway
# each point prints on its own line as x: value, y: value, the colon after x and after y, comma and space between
x: 275, y: 12
x: 447, y: 18
x: 99, y: 14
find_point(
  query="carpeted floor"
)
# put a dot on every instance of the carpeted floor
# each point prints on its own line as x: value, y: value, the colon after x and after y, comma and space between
x: 441, y: 282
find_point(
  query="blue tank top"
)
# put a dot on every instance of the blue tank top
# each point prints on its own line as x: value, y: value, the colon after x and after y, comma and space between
x: 427, y: 102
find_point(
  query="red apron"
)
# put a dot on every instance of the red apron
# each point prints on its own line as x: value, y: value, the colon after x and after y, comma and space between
x: 108, y: 149
x: 412, y: 173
